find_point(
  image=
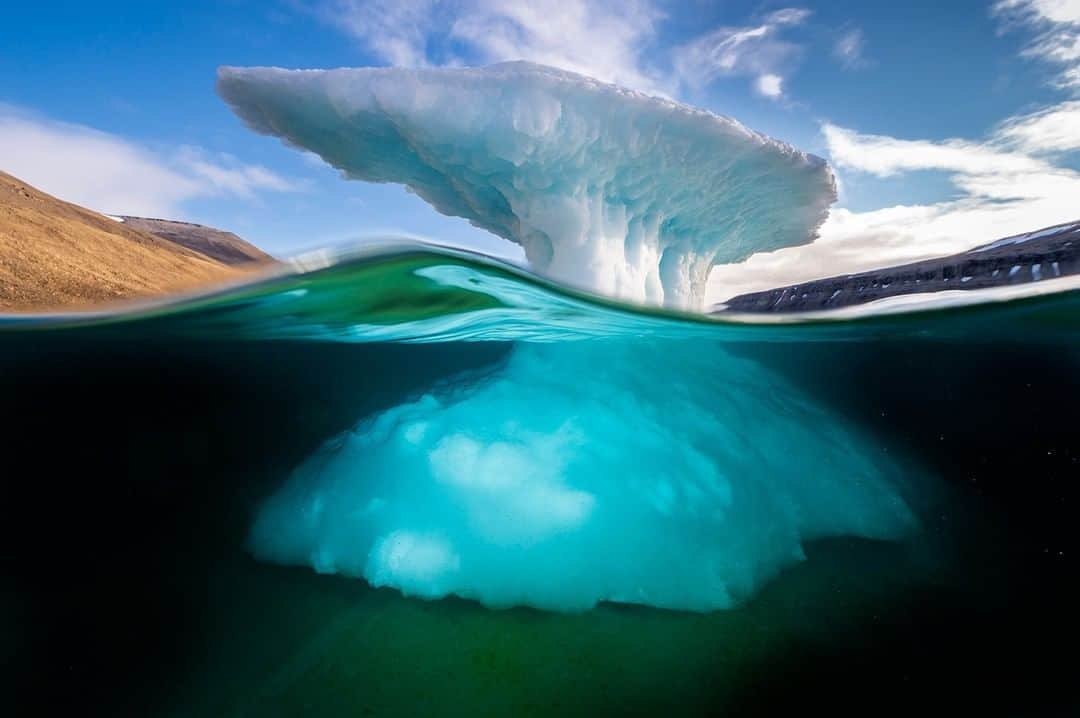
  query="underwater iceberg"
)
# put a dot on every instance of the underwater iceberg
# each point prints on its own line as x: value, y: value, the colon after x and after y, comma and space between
x: 587, y: 471
x: 605, y: 188
x: 627, y: 468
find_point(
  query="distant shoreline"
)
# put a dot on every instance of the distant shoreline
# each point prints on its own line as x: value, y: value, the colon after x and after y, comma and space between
x: 1043, y: 254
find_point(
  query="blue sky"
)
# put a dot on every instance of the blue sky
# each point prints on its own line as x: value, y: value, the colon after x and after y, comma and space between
x: 949, y: 123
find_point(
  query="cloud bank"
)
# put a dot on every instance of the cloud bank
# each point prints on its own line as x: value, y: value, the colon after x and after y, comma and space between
x: 111, y: 174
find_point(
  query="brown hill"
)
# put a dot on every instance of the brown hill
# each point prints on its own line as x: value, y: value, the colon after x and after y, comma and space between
x: 57, y: 255
x: 217, y: 244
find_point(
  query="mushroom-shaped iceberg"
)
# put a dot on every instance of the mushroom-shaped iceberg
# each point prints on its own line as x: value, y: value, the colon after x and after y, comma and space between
x: 605, y: 188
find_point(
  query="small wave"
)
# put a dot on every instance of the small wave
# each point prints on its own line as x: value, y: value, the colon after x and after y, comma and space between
x: 407, y: 291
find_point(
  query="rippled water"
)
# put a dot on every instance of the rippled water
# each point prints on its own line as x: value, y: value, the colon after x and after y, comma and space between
x: 606, y: 510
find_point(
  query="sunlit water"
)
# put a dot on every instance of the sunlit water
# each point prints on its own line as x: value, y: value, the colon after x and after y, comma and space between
x: 418, y: 482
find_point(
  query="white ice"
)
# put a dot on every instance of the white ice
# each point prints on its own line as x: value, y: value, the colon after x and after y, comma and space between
x: 606, y: 189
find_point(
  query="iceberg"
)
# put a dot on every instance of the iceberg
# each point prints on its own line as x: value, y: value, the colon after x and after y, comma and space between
x: 574, y: 475
x: 606, y: 189
x: 669, y: 473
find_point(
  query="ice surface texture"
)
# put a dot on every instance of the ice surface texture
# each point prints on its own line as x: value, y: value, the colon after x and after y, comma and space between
x: 605, y: 188
x: 667, y: 473
x: 575, y: 474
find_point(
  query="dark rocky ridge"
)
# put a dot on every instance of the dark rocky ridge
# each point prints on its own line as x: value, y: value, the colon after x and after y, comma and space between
x: 217, y: 244
x: 1043, y: 254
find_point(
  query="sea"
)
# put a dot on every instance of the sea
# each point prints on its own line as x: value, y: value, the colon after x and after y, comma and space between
x: 405, y: 480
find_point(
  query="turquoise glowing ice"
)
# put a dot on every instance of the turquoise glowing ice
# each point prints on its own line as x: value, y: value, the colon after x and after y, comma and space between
x: 606, y: 189
x: 629, y: 467
x: 667, y: 473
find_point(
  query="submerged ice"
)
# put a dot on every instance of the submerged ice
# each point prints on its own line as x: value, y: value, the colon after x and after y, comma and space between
x: 670, y: 474
x: 664, y: 472
x: 604, y: 188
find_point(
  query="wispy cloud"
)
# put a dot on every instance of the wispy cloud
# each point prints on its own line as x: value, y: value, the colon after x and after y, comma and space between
x: 1057, y: 33
x: 224, y: 174
x: 884, y: 156
x: 1055, y: 129
x: 111, y: 174
x: 603, y: 39
x: 609, y: 40
x: 758, y: 51
x: 396, y: 30
x: 849, y: 49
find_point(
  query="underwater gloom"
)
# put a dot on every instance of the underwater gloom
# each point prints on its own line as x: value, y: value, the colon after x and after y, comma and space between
x: 415, y: 480
x: 397, y: 478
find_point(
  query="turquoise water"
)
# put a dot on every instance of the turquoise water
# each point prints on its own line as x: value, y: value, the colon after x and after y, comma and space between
x: 411, y: 481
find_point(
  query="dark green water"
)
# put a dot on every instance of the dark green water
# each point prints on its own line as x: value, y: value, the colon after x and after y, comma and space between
x: 139, y: 449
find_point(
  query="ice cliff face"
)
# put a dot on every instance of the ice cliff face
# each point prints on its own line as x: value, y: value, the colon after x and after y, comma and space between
x: 606, y: 189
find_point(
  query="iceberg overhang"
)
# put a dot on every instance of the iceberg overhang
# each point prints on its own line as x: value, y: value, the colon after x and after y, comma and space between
x: 605, y: 188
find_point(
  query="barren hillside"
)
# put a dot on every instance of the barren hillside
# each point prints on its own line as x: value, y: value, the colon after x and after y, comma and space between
x: 57, y: 255
x: 217, y: 244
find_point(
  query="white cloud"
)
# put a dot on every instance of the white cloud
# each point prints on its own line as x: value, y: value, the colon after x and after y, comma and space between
x: 848, y: 50
x: 1057, y: 11
x: 114, y: 175
x: 1054, y: 129
x: 884, y: 156
x: 1003, y: 190
x: 770, y: 85
x: 1057, y: 39
x: 602, y: 39
x: 756, y: 51
x: 395, y: 30
x: 223, y: 174
x: 788, y: 16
